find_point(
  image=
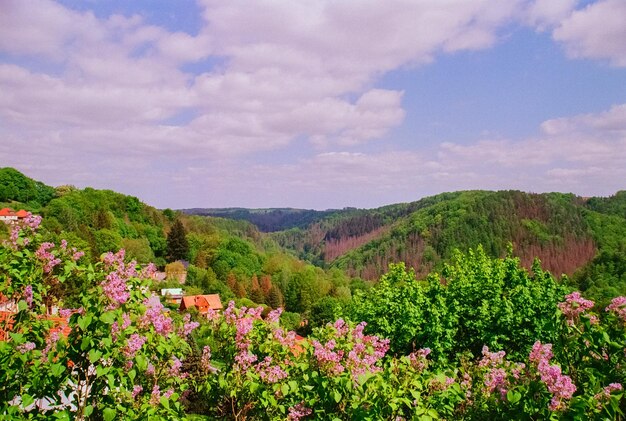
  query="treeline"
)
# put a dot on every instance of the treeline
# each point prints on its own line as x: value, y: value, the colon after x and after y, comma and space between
x: 266, y: 220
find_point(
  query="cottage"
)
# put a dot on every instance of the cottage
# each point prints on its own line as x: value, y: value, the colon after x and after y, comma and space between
x: 9, y: 216
x: 203, y: 303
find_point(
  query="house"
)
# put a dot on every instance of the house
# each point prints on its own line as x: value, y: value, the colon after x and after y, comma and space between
x: 172, y: 295
x: 9, y: 216
x: 203, y: 303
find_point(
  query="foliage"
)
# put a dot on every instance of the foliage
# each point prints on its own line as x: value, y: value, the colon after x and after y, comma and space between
x: 118, y: 358
x: 477, y: 301
x: 15, y: 186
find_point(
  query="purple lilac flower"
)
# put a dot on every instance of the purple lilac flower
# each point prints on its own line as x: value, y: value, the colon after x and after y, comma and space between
x: 618, y: 306
x: 28, y: 295
x: 176, y: 366
x: 298, y: 412
x: 188, y: 326
x: 270, y: 373
x: 155, y: 395
x: 274, y: 315
x: 418, y: 358
x: 574, y: 306
x: 26, y: 347
x: 154, y: 316
x: 205, y: 361
x: 560, y: 385
x: 137, y: 390
x: 133, y: 344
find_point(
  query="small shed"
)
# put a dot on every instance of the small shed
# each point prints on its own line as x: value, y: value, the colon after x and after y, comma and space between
x: 172, y: 295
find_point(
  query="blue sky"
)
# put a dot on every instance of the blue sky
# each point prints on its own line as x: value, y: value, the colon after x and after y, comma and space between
x: 316, y: 103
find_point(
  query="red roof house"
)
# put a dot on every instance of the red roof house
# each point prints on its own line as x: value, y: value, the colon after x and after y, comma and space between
x: 202, y: 302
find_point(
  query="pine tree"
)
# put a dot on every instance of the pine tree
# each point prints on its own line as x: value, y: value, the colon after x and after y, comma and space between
x: 177, y: 245
x: 275, y: 298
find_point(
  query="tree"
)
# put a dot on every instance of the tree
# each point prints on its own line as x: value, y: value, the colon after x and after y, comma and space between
x: 275, y: 298
x: 177, y: 245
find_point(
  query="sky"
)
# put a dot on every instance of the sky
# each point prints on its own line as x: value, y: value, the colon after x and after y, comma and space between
x: 314, y: 103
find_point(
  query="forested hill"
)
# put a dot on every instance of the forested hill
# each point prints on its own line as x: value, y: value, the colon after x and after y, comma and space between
x: 564, y: 231
x: 583, y: 237
x: 266, y: 220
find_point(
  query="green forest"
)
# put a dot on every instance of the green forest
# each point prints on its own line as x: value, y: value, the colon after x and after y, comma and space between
x: 464, y: 305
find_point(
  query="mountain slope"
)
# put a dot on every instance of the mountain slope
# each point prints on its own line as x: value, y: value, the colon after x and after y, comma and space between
x: 562, y: 230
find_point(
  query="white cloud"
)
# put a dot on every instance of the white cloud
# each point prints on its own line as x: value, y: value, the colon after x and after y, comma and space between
x: 106, y: 95
x: 597, y: 31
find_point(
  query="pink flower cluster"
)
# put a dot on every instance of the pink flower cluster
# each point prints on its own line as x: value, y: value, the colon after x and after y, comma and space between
x: 618, y: 306
x: 28, y: 295
x: 418, y: 358
x: 607, y: 391
x: 205, y: 361
x: 286, y: 339
x: 155, y: 316
x: 26, y: 347
x: 574, y: 306
x: 560, y: 385
x: 274, y: 315
x: 115, y: 327
x: 51, y: 341
x: 188, y: 325
x: 46, y: 256
x: 115, y: 284
x: 67, y: 312
x: 243, y: 320
x: 298, y: 412
x: 137, y: 390
x: 329, y: 359
x: 27, y: 225
x: 134, y: 344
x: 365, y: 352
x: 268, y: 372
x: 496, y: 378
x: 175, y: 368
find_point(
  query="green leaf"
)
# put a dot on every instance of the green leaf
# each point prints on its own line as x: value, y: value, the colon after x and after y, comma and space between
x: 57, y: 369
x: 85, y: 344
x: 21, y: 306
x: 88, y: 410
x: 284, y: 389
x: 108, y: 317
x: 27, y: 400
x: 109, y: 414
x: 336, y: 396
x: 513, y: 396
x: 84, y: 321
x: 94, y: 355
x: 165, y: 402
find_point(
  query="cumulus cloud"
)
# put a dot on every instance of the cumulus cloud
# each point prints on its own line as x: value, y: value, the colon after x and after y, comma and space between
x: 86, y: 97
x: 596, y: 32
x: 283, y: 70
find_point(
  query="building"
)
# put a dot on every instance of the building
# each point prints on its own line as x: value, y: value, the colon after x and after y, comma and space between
x: 9, y: 216
x: 203, y: 303
x: 172, y: 295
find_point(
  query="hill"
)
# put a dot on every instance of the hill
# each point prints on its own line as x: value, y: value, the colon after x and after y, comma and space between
x: 266, y: 220
x: 569, y: 234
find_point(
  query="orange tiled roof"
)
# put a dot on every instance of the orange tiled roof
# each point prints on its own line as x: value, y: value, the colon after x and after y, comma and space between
x: 202, y: 302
